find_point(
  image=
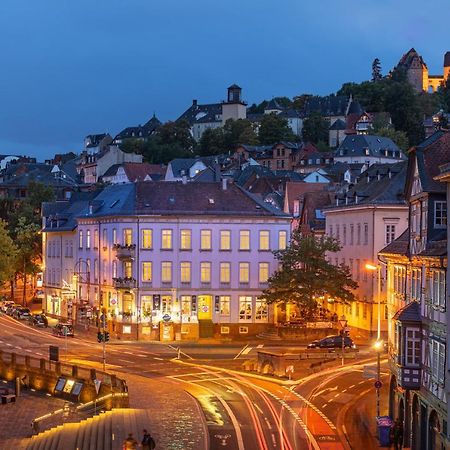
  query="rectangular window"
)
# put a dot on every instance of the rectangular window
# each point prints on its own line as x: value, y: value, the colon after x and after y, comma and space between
x: 147, y: 271
x: 225, y: 269
x: 88, y: 239
x: 225, y: 305
x: 205, y: 239
x: 263, y: 272
x: 166, y: 272
x: 264, y: 240
x: 389, y: 233
x: 413, y: 342
x: 358, y: 234
x: 105, y: 238
x: 244, y: 240
x: 416, y: 282
x: 282, y: 240
x: 366, y: 234
x: 205, y: 272
x: 95, y: 270
x: 114, y: 236
x: 438, y: 288
x: 245, y: 308
x: 147, y: 239
x: 440, y: 214
x: 244, y: 272
x: 127, y: 236
x: 351, y: 234
x: 358, y: 268
x: 437, y: 351
x: 185, y: 272
x: 225, y: 240
x: 166, y: 304
x: 261, y: 310
x: 114, y: 269
x: 186, y: 302
x: 96, y: 239
x: 185, y: 240
x: 166, y: 239
x: 344, y: 234
x: 80, y: 239
x: 127, y: 269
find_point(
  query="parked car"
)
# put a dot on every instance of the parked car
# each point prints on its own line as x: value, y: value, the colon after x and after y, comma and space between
x: 332, y: 342
x: 6, y: 304
x: 63, y: 329
x: 38, y: 320
x: 21, y: 313
x: 11, y: 308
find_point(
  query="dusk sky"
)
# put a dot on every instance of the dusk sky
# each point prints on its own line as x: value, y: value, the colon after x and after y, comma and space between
x: 74, y: 67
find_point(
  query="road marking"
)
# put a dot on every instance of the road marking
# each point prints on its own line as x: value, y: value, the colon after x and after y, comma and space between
x: 260, y: 346
x: 361, y: 382
x: 352, y: 386
x: 337, y: 395
x: 9, y: 345
x: 269, y: 425
x: 274, y: 441
x: 40, y: 354
x: 345, y: 390
x: 28, y: 350
x: 159, y: 359
x: 258, y: 408
x: 325, y: 405
x: 142, y: 356
x: 20, y: 348
x: 128, y: 353
x: 126, y: 361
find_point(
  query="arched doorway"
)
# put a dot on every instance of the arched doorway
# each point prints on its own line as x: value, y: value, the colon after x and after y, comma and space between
x: 434, y: 430
x: 415, y: 429
x: 392, y: 390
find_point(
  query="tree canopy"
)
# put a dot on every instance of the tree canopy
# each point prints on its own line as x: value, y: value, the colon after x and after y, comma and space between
x: 305, y: 273
x: 274, y: 129
x: 315, y: 129
x: 9, y: 254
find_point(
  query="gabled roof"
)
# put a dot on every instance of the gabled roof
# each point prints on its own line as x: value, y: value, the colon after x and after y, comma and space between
x: 140, y: 131
x: 338, y: 125
x: 273, y: 104
x: 331, y: 105
x: 184, y: 164
x: 202, y: 113
x: 407, y: 59
x: 294, y: 190
x: 398, y: 246
x: 409, y: 313
x: 290, y: 113
x: 356, y: 145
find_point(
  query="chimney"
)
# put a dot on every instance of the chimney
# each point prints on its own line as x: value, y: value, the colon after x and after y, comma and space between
x: 91, y: 209
x: 194, y: 103
x: 224, y: 184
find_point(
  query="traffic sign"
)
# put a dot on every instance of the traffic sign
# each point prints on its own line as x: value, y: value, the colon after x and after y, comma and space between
x: 166, y: 317
x: 378, y: 384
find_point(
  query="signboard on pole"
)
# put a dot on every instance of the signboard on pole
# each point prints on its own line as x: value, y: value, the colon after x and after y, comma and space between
x: 97, y: 384
x: 53, y: 353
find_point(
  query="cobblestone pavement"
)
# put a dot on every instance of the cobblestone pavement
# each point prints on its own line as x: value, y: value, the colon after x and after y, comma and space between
x: 15, y: 418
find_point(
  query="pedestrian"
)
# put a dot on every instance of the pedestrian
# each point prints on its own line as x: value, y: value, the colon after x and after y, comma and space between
x: 130, y: 443
x: 397, y: 435
x: 147, y: 442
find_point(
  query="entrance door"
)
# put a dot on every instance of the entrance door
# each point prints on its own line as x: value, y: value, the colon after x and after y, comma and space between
x: 204, y: 307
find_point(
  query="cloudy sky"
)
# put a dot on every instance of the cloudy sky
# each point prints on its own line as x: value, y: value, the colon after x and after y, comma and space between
x: 69, y: 68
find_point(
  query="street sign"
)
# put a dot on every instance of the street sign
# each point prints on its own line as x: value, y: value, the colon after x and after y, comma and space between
x: 97, y: 384
x: 378, y: 384
x: 343, y: 323
x: 166, y: 317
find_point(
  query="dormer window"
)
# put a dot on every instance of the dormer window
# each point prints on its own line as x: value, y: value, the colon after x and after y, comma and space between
x: 367, y: 152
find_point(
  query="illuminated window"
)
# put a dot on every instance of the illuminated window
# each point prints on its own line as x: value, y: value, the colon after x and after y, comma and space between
x: 205, y: 239
x: 166, y: 304
x: 114, y: 269
x: 105, y: 237
x: 244, y: 272
x: 127, y: 236
x: 88, y: 239
x: 166, y: 239
x: 114, y: 236
x: 225, y: 305
x: 263, y: 272
x: 225, y: 240
x: 147, y: 271
x: 245, y: 308
x: 261, y: 309
x: 185, y: 241
x: 264, y: 240
x: 186, y: 304
x: 127, y: 269
x: 95, y: 239
x: 147, y: 239
x: 225, y: 269
x: 282, y: 240
x: 244, y: 240
x: 205, y: 272
x: 166, y: 272
x: 185, y: 272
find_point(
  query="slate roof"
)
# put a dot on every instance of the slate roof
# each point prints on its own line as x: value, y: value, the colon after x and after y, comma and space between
x: 136, y: 171
x: 409, y: 313
x: 355, y: 108
x: 202, y: 113
x: 313, y: 202
x: 356, y: 145
x: 330, y: 105
x: 380, y: 189
x: 142, y: 131
x: 398, y: 246
x: 338, y: 125
x: 447, y: 59
x: 95, y: 139
x: 407, y: 59
x: 273, y: 104
x: 290, y: 113
x: 430, y: 154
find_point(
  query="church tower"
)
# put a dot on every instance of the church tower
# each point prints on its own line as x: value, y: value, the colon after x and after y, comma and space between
x: 446, y: 66
x: 234, y: 108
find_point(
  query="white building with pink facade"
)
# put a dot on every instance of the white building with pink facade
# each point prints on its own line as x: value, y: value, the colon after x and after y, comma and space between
x: 164, y: 260
x: 365, y: 219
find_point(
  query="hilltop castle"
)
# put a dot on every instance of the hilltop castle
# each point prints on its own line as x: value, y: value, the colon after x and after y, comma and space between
x: 417, y: 71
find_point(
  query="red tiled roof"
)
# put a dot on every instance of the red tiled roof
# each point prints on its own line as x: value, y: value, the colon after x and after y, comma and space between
x: 295, y: 189
x: 138, y: 171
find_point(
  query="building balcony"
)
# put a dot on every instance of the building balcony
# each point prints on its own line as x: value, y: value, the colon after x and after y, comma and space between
x: 125, y: 252
x: 408, y: 377
x: 124, y: 283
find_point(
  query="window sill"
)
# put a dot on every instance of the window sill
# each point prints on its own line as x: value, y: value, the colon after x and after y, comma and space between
x: 244, y: 250
x: 166, y: 249
x: 224, y: 249
x: 146, y: 248
x: 206, y: 250
x: 185, y: 249
x: 264, y: 250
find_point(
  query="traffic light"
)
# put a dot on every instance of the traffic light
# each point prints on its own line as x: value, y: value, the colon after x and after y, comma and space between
x: 106, y: 336
x: 99, y: 336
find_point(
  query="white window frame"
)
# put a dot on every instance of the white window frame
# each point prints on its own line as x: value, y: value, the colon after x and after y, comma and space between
x: 225, y: 272
x: 225, y: 240
x: 147, y: 271
x: 244, y: 240
x: 185, y: 271
x: 185, y: 239
x: 244, y: 272
x: 264, y: 240
x: 166, y: 239
x: 147, y: 239
x: 245, y: 308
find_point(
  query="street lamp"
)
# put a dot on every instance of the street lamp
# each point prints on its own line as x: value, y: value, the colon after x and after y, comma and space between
x: 378, y: 346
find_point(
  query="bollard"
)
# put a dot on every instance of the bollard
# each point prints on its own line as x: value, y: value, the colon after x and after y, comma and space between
x: 17, y: 386
x: 75, y: 371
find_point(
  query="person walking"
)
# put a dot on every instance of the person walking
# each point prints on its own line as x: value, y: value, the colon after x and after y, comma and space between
x: 147, y: 442
x: 130, y: 443
x: 397, y: 435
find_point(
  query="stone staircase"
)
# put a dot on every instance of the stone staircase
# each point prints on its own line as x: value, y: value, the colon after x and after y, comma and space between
x: 270, y: 335
x: 105, y: 431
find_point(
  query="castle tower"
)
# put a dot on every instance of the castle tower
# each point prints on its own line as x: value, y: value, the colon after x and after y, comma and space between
x: 234, y: 108
x: 446, y: 66
x: 416, y: 70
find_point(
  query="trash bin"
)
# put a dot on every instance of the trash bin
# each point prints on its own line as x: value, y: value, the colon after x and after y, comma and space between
x: 384, y: 425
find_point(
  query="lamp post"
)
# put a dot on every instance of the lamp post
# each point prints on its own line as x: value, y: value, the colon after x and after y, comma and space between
x: 378, y: 346
x: 343, y: 322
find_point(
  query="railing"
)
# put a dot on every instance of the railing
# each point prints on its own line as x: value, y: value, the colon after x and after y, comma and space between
x: 124, y: 283
x: 125, y: 252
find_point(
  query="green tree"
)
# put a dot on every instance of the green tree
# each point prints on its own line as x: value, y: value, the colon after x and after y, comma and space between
x: 9, y: 254
x: 212, y: 142
x: 306, y: 273
x: 376, y: 70
x: 300, y: 101
x: 444, y: 96
x: 235, y: 130
x: 176, y: 133
x: 398, y: 137
x: 315, y: 128
x: 274, y: 129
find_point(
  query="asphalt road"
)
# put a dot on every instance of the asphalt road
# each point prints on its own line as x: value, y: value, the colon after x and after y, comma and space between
x: 242, y: 412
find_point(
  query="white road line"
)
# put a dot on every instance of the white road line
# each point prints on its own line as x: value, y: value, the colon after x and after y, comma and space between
x: 159, y: 359
x: 9, y: 345
x: 126, y: 361
x: 28, y: 350
x: 269, y: 425
x: 361, y: 382
x: 142, y: 356
x: 20, y: 348
x: 325, y: 405
x: 352, y: 386
x: 40, y: 354
x: 345, y: 390
x: 257, y: 407
x: 128, y: 353
x: 337, y: 395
